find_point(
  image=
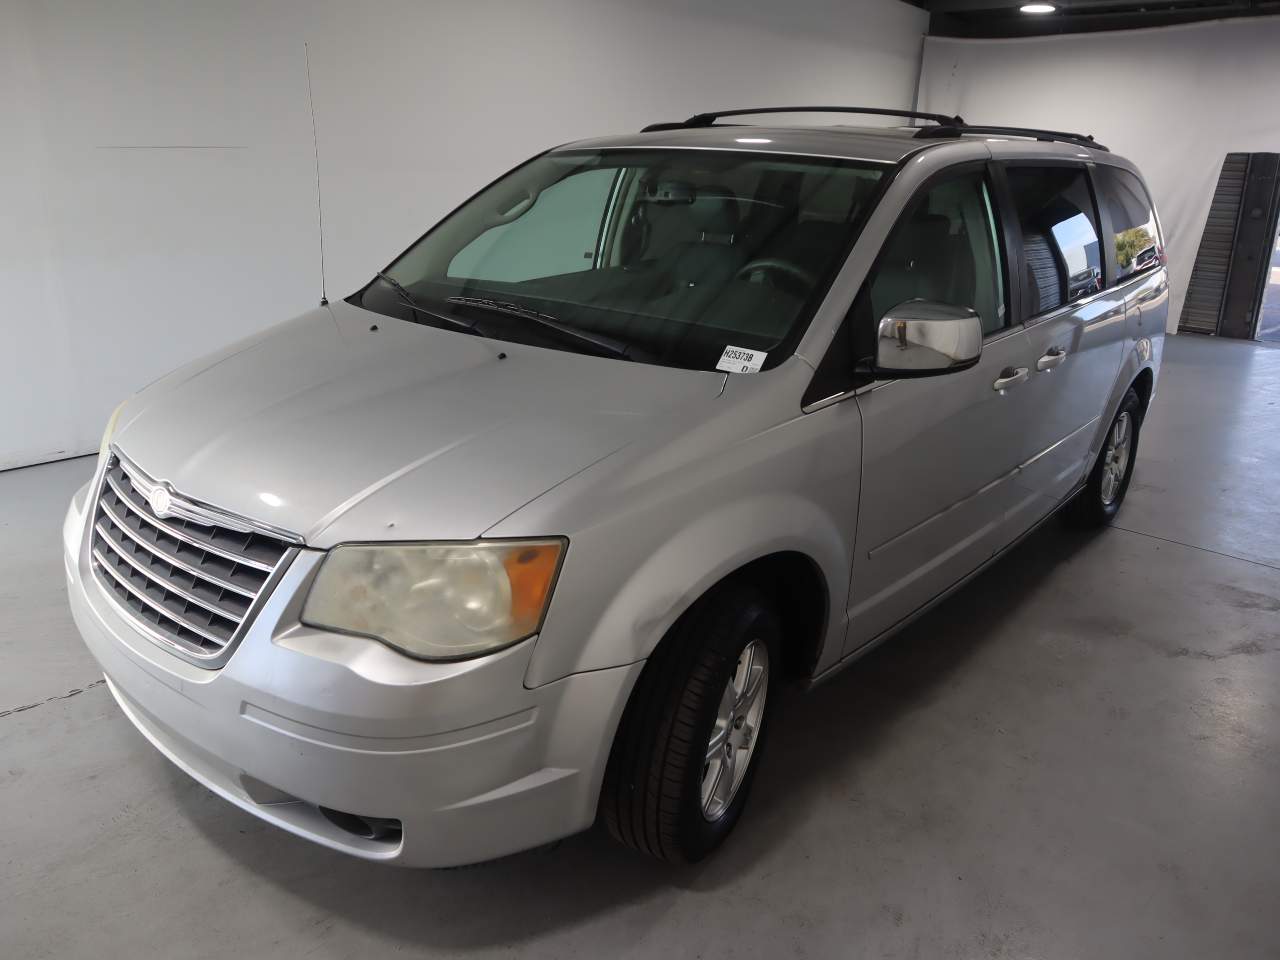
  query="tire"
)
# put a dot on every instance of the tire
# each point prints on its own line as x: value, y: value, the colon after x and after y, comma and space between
x: 653, y: 799
x: 1098, y: 503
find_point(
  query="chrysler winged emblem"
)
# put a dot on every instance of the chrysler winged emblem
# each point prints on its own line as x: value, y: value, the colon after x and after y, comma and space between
x: 161, y: 501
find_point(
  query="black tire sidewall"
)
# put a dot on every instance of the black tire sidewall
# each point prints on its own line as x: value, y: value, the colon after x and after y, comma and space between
x: 751, y: 621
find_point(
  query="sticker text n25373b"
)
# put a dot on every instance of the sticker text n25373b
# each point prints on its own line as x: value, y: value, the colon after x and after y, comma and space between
x: 741, y: 360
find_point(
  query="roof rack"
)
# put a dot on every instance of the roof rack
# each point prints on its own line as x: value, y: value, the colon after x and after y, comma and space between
x: 1058, y: 136
x: 708, y: 119
x: 944, y: 126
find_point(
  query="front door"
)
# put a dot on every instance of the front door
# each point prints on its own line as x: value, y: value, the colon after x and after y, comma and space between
x: 940, y: 454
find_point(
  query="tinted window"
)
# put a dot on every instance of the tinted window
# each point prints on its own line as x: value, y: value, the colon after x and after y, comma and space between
x: 1063, y: 260
x: 674, y: 254
x: 944, y: 249
x: 1133, y: 222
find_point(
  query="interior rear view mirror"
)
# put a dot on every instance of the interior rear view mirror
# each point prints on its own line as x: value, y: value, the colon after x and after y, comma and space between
x: 920, y: 338
x: 672, y: 192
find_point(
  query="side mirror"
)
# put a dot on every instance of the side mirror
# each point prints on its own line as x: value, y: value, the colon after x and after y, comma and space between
x: 920, y: 338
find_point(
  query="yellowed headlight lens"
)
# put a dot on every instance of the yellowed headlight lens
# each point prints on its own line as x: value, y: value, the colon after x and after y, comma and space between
x: 436, y: 601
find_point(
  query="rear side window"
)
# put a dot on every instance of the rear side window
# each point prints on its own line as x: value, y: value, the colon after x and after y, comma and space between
x: 1133, y: 221
x: 944, y: 250
x: 1061, y: 254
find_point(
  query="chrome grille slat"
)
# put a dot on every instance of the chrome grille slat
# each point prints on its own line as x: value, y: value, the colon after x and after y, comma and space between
x: 189, y: 584
x: 145, y: 512
x: 118, y: 549
x: 136, y: 536
x: 141, y: 595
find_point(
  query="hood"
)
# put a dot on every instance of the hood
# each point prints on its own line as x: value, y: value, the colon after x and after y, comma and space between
x: 335, y: 431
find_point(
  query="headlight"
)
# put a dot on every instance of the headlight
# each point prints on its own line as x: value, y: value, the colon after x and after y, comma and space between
x: 436, y: 601
x: 108, y: 433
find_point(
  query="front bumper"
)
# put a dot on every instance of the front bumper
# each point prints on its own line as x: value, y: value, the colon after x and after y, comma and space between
x: 471, y: 763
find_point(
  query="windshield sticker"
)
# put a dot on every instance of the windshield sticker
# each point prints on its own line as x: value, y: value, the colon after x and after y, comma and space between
x: 741, y: 360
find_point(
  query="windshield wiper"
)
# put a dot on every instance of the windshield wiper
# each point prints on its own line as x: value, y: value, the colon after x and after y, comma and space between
x: 411, y: 302
x: 609, y: 345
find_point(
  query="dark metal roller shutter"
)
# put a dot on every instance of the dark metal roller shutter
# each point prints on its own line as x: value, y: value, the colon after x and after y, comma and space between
x: 1046, y: 281
x: 1203, y: 306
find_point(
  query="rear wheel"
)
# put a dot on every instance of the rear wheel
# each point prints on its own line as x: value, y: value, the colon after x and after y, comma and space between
x: 692, y: 734
x: 1108, y: 482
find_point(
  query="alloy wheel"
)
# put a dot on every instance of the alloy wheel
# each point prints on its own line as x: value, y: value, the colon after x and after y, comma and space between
x: 1115, y: 459
x: 736, y: 731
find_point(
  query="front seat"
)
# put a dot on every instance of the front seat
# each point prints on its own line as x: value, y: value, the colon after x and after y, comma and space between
x: 926, y: 261
x: 711, y: 257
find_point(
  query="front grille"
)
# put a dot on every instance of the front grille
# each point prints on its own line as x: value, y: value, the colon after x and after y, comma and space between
x: 192, y: 583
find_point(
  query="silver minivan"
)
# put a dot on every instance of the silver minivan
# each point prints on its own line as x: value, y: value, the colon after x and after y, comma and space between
x: 532, y: 528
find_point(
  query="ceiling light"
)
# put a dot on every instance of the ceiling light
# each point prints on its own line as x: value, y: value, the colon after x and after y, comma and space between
x: 753, y: 140
x: 1038, y: 8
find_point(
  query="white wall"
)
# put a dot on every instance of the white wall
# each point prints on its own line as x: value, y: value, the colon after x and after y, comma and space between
x: 1174, y: 100
x: 156, y: 181
x: 156, y: 195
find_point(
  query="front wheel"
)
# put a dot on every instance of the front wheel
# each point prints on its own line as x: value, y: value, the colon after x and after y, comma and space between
x: 1098, y: 503
x: 692, y: 734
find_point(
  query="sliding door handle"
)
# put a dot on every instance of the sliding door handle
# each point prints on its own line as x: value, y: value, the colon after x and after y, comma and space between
x: 1053, y: 358
x: 1010, y: 377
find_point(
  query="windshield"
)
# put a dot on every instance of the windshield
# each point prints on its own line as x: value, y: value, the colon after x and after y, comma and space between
x: 663, y: 256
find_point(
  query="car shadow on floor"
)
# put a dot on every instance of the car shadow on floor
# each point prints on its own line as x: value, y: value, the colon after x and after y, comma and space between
x: 524, y: 896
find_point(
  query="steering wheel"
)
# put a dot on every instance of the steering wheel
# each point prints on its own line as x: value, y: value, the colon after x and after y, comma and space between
x: 779, y: 273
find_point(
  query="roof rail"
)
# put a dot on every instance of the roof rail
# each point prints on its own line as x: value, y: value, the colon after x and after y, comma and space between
x: 708, y: 119
x: 945, y: 126
x: 1058, y: 136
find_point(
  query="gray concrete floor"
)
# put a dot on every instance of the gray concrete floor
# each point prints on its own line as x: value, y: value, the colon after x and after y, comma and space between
x: 1075, y: 757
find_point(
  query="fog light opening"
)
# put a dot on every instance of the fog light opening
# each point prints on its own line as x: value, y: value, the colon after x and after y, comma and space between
x: 383, y: 829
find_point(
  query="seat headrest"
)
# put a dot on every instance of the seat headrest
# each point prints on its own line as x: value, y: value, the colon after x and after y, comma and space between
x: 933, y: 227
x: 714, y: 212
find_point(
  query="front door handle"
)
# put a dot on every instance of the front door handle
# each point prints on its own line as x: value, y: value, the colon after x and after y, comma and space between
x: 1053, y: 358
x: 1010, y: 377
